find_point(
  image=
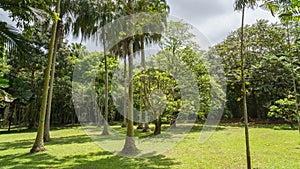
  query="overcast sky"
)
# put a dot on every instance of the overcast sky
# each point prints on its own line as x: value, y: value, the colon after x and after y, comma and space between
x: 215, y: 18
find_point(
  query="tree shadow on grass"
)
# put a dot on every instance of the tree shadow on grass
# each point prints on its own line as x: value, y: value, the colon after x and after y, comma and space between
x: 15, y: 130
x: 19, y: 144
x: 28, y: 160
x: 198, y: 128
x: 112, y: 161
x: 102, y: 159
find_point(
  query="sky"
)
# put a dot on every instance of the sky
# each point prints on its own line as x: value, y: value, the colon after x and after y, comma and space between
x: 215, y: 19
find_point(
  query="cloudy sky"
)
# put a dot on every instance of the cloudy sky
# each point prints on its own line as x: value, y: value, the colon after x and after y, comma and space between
x: 215, y: 18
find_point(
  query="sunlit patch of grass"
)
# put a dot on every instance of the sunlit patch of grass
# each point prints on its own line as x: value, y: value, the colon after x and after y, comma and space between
x: 226, y: 149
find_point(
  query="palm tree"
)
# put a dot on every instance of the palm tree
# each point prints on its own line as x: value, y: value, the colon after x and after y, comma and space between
x: 105, y: 16
x: 156, y: 6
x: 241, y: 5
x: 66, y: 10
x: 123, y: 47
x: 129, y: 146
x: 48, y: 113
x: 39, y: 141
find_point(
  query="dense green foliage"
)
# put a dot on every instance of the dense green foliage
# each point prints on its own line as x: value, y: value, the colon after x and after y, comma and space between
x: 268, y: 64
x: 268, y: 70
x: 261, y: 64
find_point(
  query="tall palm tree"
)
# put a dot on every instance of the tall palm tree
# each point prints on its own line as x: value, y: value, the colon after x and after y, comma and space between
x: 120, y: 11
x: 66, y: 10
x: 129, y: 146
x: 105, y: 17
x: 39, y: 141
x: 154, y: 6
x: 48, y: 113
x: 241, y: 5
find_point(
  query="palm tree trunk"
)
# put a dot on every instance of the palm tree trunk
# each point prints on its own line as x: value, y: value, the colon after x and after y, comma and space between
x: 124, y: 51
x: 129, y: 146
x: 39, y: 141
x: 105, y: 129
x: 244, y: 92
x: 48, y: 113
x: 140, y: 125
x: 143, y: 63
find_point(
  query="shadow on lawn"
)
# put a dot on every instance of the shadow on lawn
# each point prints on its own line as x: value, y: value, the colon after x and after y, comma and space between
x: 26, y: 130
x: 100, y: 159
x: 104, y: 160
x: 198, y: 128
x: 19, y: 144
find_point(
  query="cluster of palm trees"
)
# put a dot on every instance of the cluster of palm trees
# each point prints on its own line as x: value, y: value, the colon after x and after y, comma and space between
x: 83, y: 18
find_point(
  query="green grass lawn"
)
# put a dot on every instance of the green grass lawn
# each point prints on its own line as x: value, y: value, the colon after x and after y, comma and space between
x: 71, y: 147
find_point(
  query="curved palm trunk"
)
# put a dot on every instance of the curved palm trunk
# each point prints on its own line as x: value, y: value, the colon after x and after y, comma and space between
x: 39, y: 141
x: 244, y: 92
x: 48, y: 113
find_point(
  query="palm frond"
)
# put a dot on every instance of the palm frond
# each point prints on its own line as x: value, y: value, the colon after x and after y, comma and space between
x: 12, y: 38
x: 238, y: 4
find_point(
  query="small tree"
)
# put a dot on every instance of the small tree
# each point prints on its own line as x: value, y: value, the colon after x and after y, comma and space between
x: 285, y: 109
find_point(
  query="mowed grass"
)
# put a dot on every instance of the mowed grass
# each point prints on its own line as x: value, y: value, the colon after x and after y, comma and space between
x: 71, y: 147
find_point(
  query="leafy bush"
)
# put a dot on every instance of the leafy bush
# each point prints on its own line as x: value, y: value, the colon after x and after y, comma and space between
x: 285, y: 109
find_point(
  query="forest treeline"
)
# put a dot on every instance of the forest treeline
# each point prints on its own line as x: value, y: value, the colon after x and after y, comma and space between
x: 271, y: 52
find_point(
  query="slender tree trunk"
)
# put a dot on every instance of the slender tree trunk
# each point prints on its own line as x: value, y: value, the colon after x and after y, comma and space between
x: 143, y: 63
x: 244, y: 92
x: 39, y: 141
x: 295, y: 89
x: 256, y: 111
x: 129, y: 147
x: 296, y: 98
x: 9, y: 122
x: 140, y: 125
x: 48, y: 113
x: 105, y: 129
x: 124, y: 51
x: 157, y: 129
x: 6, y: 114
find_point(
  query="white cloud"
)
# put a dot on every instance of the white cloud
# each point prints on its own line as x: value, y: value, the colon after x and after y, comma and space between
x: 215, y: 19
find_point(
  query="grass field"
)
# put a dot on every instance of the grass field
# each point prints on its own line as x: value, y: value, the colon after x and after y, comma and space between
x: 71, y: 147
